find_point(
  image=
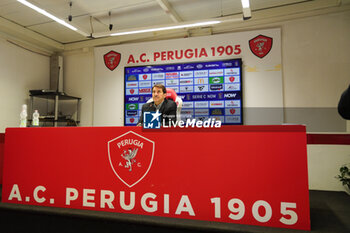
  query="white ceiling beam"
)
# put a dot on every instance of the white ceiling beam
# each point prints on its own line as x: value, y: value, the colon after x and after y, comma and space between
x: 169, y: 10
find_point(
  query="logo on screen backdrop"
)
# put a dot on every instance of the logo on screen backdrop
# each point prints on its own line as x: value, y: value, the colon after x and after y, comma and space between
x: 112, y: 59
x: 260, y: 45
x: 130, y: 156
x: 151, y: 120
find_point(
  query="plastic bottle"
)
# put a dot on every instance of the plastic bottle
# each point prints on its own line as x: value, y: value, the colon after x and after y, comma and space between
x: 35, y: 121
x: 23, y: 116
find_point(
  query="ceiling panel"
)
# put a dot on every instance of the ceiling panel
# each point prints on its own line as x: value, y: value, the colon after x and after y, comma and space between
x: 3, y: 3
x: 90, y: 7
x: 94, y: 6
x: 258, y: 4
x: 137, y: 17
x: 20, y: 14
x: 205, y: 9
x: 83, y: 22
x: 123, y: 19
x: 57, y: 32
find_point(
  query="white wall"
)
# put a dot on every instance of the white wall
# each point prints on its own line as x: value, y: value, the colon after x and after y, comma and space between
x: 316, y: 70
x: 324, y: 162
x: 79, y: 81
x: 262, y: 82
x: 21, y: 71
x: 316, y: 60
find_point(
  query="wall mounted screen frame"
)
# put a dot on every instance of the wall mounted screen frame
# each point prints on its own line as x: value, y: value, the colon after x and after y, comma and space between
x: 209, y: 89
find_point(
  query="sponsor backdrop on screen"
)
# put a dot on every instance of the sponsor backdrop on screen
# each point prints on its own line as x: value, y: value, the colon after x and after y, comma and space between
x: 198, y: 70
x: 208, y: 89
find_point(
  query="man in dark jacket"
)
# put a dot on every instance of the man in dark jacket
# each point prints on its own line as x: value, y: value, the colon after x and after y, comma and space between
x: 344, y: 104
x: 165, y: 106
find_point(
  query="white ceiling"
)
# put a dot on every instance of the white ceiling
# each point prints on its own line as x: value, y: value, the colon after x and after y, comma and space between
x: 91, y: 16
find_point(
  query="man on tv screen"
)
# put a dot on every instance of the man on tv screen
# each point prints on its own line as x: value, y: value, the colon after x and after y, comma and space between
x: 166, y: 107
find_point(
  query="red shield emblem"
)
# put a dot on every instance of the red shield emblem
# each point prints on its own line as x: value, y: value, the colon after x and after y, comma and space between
x: 112, y: 59
x: 130, y: 156
x: 260, y: 45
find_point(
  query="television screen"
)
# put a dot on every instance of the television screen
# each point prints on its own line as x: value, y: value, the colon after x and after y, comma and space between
x: 210, y: 89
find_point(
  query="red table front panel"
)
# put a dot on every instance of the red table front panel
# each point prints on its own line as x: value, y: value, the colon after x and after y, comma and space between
x: 254, y: 175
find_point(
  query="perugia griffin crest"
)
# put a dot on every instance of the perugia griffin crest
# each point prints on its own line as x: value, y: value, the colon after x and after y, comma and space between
x: 130, y: 156
x: 260, y: 45
x: 112, y: 59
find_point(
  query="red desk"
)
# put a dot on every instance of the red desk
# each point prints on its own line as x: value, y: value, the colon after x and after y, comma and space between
x: 255, y: 175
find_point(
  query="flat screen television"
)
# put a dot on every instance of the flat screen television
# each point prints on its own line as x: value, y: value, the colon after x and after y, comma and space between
x: 211, y: 89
